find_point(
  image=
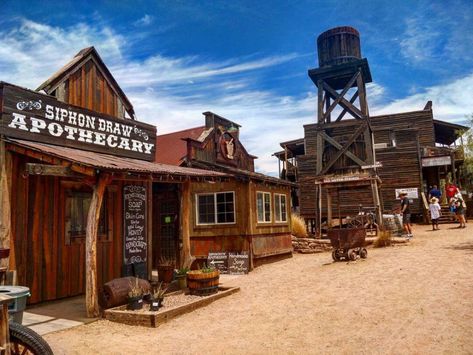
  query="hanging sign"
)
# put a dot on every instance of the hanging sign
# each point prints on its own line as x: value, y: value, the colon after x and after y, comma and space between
x: 41, y: 118
x: 134, y: 216
x: 436, y: 161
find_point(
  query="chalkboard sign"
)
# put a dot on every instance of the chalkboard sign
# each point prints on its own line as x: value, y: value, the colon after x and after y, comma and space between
x: 219, y: 261
x: 134, y: 215
x: 238, y: 263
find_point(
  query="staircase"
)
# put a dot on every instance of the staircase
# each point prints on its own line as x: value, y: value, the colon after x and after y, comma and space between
x: 447, y: 216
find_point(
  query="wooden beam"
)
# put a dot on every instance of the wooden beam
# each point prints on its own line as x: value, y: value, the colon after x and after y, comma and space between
x: 352, y: 100
x: 149, y: 227
x: 5, y: 201
x: 185, y: 216
x: 343, y: 149
x: 4, y: 328
x: 340, y: 96
x: 343, y: 102
x: 51, y: 170
x: 91, y: 291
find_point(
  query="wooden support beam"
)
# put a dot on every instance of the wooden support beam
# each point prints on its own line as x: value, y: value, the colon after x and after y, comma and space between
x: 343, y: 102
x: 51, y: 170
x: 362, y: 93
x: 5, y: 199
x: 343, y: 149
x: 329, y: 209
x: 91, y: 290
x: 340, y: 96
x: 352, y: 100
x: 4, y: 328
x: 185, y: 216
x: 149, y: 227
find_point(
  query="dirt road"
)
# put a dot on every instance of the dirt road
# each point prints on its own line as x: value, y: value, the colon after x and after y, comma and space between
x: 414, y: 299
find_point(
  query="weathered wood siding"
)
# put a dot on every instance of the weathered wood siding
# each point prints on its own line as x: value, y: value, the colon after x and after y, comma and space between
x: 400, y: 164
x: 44, y: 262
x: 87, y: 87
x: 246, y: 233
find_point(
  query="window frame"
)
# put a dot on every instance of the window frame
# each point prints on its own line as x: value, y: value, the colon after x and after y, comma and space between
x: 280, y: 208
x: 264, y: 209
x: 215, y: 208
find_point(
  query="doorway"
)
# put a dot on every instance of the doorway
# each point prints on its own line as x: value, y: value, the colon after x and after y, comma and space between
x: 165, y: 224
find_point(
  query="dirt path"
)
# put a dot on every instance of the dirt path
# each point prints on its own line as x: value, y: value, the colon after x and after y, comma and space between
x: 414, y: 299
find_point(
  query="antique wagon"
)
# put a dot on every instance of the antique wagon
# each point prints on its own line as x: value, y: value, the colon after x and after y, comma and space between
x: 348, y: 243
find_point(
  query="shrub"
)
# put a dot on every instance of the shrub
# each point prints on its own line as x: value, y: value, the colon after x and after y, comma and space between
x: 298, y: 226
x: 383, y: 240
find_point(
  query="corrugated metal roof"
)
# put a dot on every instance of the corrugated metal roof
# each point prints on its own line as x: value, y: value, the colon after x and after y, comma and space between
x: 171, y: 148
x: 111, y: 162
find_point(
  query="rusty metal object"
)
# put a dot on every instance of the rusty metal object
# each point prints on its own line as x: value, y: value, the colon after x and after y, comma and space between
x: 346, y: 238
x: 115, y: 292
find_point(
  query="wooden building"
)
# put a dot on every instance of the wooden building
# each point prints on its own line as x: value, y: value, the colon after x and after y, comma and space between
x: 405, y: 151
x: 78, y: 184
x: 248, y: 213
x: 84, y: 200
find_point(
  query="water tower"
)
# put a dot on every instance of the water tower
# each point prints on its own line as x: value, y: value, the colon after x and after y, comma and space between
x: 344, y: 141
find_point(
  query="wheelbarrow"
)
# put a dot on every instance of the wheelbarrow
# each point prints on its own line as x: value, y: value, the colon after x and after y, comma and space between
x: 348, y: 243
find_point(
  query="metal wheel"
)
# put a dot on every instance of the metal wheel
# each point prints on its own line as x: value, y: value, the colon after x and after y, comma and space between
x: 25, y: 341
x: 363, y: 253
x: 351, y: 254
x: 335, y: 255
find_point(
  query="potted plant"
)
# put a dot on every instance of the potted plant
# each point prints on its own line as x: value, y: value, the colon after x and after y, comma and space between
x: 181, y: 276
x: 166, y: 269
x: 135, y: 296
x: 157, y: 297
x: 203, y: 281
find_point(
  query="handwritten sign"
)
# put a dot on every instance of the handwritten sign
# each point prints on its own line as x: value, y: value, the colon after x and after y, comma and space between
x: 134, y: 215
x: 238, y: 263
x: 218, y: 261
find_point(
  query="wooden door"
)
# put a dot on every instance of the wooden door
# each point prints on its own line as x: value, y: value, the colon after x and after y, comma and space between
x: 165, y: 223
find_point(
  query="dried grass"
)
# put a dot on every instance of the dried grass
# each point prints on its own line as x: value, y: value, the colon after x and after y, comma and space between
x: 298, y: 226
x: 383, y: 240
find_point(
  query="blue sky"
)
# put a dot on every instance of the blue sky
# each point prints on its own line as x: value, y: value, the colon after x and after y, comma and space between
x: 246, y: 60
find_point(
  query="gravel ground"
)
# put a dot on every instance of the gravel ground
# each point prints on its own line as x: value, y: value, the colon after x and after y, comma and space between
x: 406, y: 299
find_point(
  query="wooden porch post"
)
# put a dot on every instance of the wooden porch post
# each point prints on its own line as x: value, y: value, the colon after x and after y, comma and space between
x: 91, y: 294
x: 5, y: 213
x: 4, y: 328
x: 186, y: 207
x: 329, y: 209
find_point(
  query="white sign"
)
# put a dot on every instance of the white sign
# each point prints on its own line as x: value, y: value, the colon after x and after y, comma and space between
x: 436, y: 161
x: 376, y: 165
x: 412, y: 192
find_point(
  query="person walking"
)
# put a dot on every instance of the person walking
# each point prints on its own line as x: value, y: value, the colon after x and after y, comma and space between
x: 460, y: 209
x: 406, y: 214
x: 435, y: 213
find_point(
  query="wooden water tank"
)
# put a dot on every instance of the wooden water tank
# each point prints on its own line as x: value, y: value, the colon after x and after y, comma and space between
x: 338, y: 45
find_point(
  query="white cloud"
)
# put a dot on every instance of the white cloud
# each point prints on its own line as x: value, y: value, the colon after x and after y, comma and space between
x: 172, y: 93
x: 146, y: 20
x: 451, y: 101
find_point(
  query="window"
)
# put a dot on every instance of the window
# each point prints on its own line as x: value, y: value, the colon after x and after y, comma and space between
x: 263, y: 206
x: 216, y: 208
x: 76, y: 211
x: 280, y: 209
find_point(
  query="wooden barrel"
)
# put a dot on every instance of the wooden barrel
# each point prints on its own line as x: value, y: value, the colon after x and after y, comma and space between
x: 115, y: 292
x: 202, y: 283
x: 338, y: 45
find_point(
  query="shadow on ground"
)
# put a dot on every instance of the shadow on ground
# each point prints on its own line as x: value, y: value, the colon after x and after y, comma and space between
x: 462, y: 246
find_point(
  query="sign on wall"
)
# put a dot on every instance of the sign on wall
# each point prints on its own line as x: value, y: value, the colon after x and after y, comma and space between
x: 436, y: 161
x: 412, y: 193
x: 32, y: 116
x: 134, y: 220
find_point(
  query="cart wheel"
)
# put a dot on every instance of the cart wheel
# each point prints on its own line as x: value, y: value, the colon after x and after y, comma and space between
x: 351, y: 254
x: 363, y: 253
x: 336, y: 255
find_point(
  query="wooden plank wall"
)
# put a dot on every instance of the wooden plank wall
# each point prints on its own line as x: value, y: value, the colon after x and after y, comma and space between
x: 401, y: 166
x: 45, y: 264
x: 88, y: 88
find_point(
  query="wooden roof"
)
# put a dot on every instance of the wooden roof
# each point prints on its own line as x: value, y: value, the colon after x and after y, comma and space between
x: 83, y: 56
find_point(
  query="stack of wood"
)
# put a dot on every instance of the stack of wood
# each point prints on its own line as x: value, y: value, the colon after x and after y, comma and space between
x: 310, y: 245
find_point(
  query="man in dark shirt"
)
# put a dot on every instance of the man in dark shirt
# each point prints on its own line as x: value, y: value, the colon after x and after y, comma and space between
x: 435, y: 192
x: 406, y: 214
